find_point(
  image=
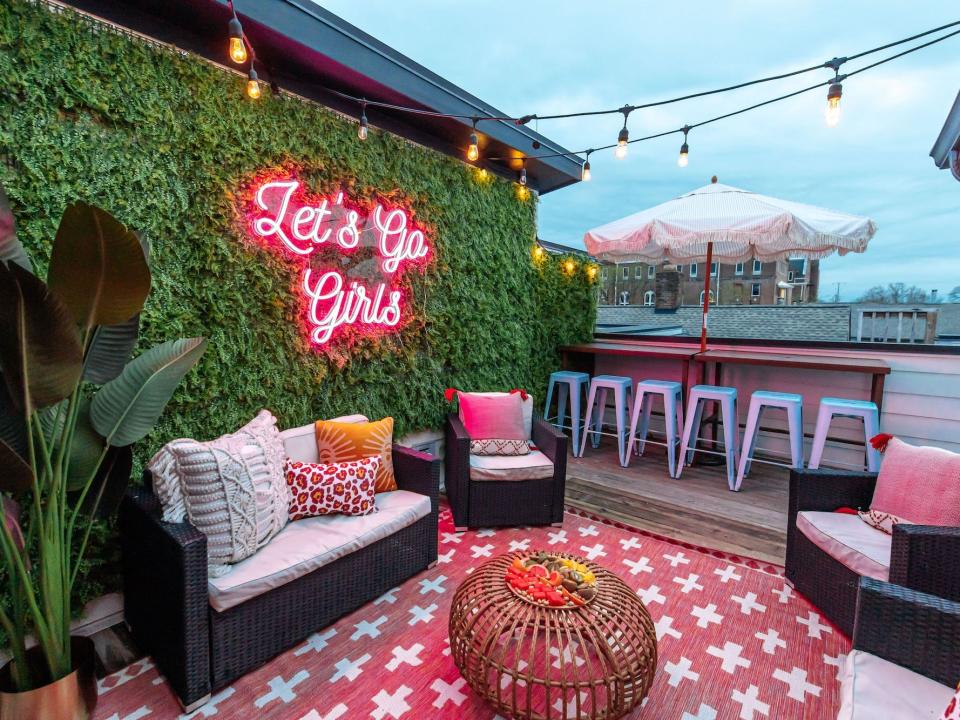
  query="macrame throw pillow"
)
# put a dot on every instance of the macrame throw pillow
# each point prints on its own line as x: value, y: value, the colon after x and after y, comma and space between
x: 348, y: 441
x: 232, y: 489
x: 345, y: 488
x: 499, y: 447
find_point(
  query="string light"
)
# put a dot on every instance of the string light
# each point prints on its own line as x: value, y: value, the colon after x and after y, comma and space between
x: 238, y: 48
x: 684, y: 149
x: 537, y: 252
x: 362, y: 129
x: 473, y: 151
x: 585, y: 170
x: 523, y: 174
x: 570, y: 266
x: 253, y: 84
x: 592, y: 272
x: 833, y: 103
x: 623, y: 138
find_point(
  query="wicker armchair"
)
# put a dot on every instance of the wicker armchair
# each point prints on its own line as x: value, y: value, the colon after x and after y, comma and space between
x: 923, y: 558
x: 493, y: 503
x: 199, y: 649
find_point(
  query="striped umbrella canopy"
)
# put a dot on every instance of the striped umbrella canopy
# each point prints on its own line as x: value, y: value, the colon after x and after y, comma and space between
x: 726, y: 224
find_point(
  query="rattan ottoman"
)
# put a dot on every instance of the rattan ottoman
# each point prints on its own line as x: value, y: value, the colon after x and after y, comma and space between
x: 534, y: 661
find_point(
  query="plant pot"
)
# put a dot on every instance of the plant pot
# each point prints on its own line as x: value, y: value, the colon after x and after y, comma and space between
x: 72, y: 697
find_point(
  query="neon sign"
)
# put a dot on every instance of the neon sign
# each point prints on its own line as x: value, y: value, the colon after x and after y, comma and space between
x: 306, y: 227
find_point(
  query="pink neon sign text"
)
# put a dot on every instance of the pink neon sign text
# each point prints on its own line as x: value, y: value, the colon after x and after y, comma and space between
x: 285, y: 216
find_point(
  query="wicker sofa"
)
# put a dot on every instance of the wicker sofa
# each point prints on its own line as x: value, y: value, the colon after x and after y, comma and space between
x: 203, y: 637
x: 906, y: 654
x: 480, y: 498
x: 921, y: 557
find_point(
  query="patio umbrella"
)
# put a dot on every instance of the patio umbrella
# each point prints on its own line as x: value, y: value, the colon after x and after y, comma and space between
x: 720, y: 223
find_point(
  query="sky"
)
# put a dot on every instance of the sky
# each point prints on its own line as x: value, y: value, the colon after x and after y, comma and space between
x: 569, y: 55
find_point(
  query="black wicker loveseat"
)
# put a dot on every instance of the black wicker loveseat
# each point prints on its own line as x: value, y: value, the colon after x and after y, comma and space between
x: 199, y: 649
x: 498, y: 503
x: 924, y: 558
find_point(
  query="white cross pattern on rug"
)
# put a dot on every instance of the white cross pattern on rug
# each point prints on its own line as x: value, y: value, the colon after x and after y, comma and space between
x: 688, y: 583
x: 210, y: 707
x: 796, y: 679
x: 639, y: 566
x: 390, y: 596
x: 706, y: 615
x: 123, y: 676
x: 771, y: 641
x: 571, y: 707
x: 444, y: 558
x: 664, y: 626
x: 410, y: 656
x: 750, y: 703
x: 393, y: 705
x: 814, y: 627
x: 588, y: 531
x: 448, y: 692
x: 281, y: 689
x: 678, y: 559
x: 680, y: 671
x: 436, y: 585
x: 569, y: 655
x: 730, y: 656
x: 451, y: 538
x: 748, y: 603
x: 481, y: 550
x: 630, y: 543
x: 486, y: 532
x: 349, y: 669
x: 837, y: 661
x: 422, y: 615
x: 140, y: 712
x: 517, y: 545
x: 338, y: 711
x: 560, y: 536
x: 446, y: 650
x: 784, y: 593
x: 651, y: 595
x: 593, y: 552
x: 507, y: 679
x: 316, y: 642
x: 704, y: 713
x: 370, y: 629
x: 728, y: 573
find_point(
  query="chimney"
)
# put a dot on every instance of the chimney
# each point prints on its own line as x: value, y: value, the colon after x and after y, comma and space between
x: 669, y: 290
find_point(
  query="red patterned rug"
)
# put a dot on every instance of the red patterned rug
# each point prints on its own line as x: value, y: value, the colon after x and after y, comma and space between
x: 734, y: 641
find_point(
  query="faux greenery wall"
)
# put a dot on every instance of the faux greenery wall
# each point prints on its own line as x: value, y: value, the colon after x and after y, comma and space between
x: 162, y: 141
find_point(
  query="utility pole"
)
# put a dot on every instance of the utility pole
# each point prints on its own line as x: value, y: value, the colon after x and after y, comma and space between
x: 836, y: 297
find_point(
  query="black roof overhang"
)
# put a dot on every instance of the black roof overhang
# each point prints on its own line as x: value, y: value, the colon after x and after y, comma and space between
x: 306, y: 49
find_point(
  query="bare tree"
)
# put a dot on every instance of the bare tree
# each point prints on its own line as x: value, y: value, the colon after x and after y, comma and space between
x: 954, y: 295
x: 895, y: 294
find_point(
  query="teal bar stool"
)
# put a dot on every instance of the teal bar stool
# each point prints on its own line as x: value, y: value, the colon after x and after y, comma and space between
x: 597, y: 403
x: 841, y: 407
x: 643, y: 397
x: 793, y: 404
x: 570, y: 385
x: 726, y: 400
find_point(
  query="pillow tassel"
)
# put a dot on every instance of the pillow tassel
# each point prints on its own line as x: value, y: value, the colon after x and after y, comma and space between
x: 523, y: 393
x: 450, y: 393
x: 880, y: 441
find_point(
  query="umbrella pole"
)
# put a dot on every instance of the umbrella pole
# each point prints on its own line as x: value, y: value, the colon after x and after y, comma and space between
x: 706, y: 298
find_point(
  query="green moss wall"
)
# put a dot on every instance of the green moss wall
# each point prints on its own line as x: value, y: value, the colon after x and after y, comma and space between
x: 162, y: 142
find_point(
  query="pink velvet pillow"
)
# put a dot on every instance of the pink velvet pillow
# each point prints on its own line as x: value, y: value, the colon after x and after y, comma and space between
x: 492, y: 417
x: 919, y: 484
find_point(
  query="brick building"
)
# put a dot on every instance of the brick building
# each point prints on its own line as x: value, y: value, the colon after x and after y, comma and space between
x: 788, y: 282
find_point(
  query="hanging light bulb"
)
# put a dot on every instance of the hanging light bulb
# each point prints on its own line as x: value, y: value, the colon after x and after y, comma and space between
x: 362, y: 129
x: 537, y: 252
x: 622, y: 139
x: 833, y: 103
x: 684, y: 149
x: 238, y: 48
x: 253, y: 85
x: 523, y: 175
x: 473, y: 151
x: 585, y: 169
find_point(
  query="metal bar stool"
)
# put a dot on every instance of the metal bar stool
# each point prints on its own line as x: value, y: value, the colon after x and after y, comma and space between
x: 672, y: 394
x: 597, y: 403
x: 793, y: 404
x: 573, y: 385
x: 831, y: 407
x: 726, y: 399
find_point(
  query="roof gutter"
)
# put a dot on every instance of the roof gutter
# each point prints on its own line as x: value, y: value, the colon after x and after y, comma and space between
x: 946, y: 150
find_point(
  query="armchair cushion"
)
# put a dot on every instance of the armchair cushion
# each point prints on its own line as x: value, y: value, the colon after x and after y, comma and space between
x: 526, y: 407
x: 919, y: 484
x: 305, y: 545
x: 848, y: 540
x: 534, y: 466
x: 872, y: 687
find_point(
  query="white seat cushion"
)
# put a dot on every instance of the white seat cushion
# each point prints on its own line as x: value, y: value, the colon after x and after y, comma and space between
x: 535, y: 466
x: 849, y: 540
x: 876, y: 688
x: 305, y: 545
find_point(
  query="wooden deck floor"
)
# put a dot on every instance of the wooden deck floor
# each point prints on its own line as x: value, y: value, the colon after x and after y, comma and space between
x: 698, y: 508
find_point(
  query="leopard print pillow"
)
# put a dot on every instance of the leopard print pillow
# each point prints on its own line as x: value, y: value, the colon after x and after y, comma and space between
x: 499, y: 447
x: 345, y: 488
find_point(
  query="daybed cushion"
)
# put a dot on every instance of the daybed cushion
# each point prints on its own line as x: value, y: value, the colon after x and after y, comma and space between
x: 876, y: 688
x: 535, y: 466
x: 305, y: 545
x: 849, y: 540
x: 300, y: 443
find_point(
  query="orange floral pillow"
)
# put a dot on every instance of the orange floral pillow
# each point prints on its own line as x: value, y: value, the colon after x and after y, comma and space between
x: 345, y: 442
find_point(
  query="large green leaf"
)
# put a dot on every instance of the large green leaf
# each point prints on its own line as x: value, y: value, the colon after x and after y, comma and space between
x: 112, y: 346
x: 98, y: 267
x: 111, y: 483
x: 40, y: 353
x: 86, y: 445
x: 126, y: 408
x: 15, y: 474
x: 11, y: 249
x: 13, y: 428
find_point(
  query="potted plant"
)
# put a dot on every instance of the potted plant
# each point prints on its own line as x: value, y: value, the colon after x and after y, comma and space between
x: 72, y: 402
